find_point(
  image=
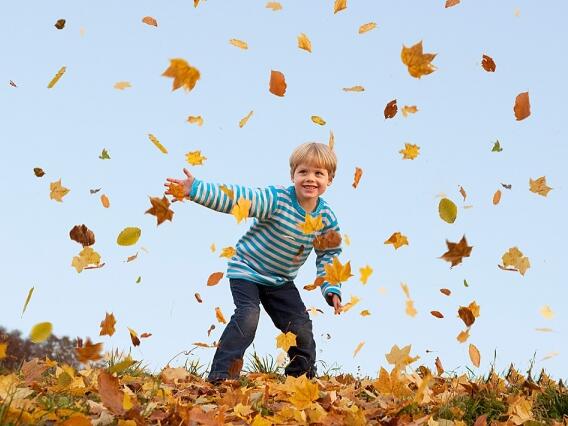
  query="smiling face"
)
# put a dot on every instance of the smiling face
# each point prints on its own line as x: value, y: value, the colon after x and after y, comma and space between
x: 310, y: 182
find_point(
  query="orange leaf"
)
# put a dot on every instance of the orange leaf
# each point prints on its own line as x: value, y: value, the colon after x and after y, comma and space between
x: 107, y: 325
x: 488, y: 64
x: 437, y: 314
x: 150, y: 21
x: 184, y: 75
x: 336, y: 272
x: 220, y: 316
x: 450, y: 3
x: 522, y: 106
x: 457, y: 251
x: 496, y: 197
x: 134, y: 337
x: 367, y: 27
x: 357, y: 178
x: 105, y: 201
x: 110, y: 393
x: 474, y: 355
x: 418, y: 63
x: 214, y: 278
x: 358, y: 348
x: 198, y: 297
x: 89, y: 352
x: 277, y: 83
x: 339, y: 5
x: 161, y: 209
x: 397, y: 240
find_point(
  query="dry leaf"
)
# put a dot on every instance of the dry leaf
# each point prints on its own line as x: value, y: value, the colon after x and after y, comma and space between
x: 391, y: 109
x: 474, y: 355
x: 418, y: 63
x: 87, y: 259
x: 195, y: 119
x: 57, y: 191
x: 41, y: 332
x: 456, y: 252
x: 157, y: 143
x: 161, y: 209
x: 365, y: 273
x: 38, y: 171
x: 367, y: 27
x: 358, y: 348
x: 539, y: 186
x: 134, y: 337
x: 56, y: 78
x: 245, y: 119
x: 228, y: 252
x: 121, y: 85
x: 488, y: 64
x: 466, y: 315
x: 150, y: 21
x: 447, y: 210
x: 214, y: 278
x: 397, y: 240
x: 286, y: 340
x: 28, y: 298
x: 241, y: 209
x: 318, y: 120
x: 105, y: 201
x: 184, y: 74
x: 336, y: 272
x: 82, y: 235
x: 239, y: 43
x: 339, y: 5
x: 445, y: 291
x: 311, y: 224
x: 274, y: 5
x: 437, y: 314
x: 110, y: 393
x: 450, y: 3
x: 522, y: 108
x: 195, y: 158
x: 128, y: 236
x: 354, y: 89
x: 357, y: 177
x: 89, y: 351
x: 107, y: 325
x: 546, y: 312
x: 496, y: 197
x: 219, y: 315
x: 277, y: 83
x: 304, y: 42
x: 409, y: 109
x: 60, y: 24
x: 198, y: 297
x: 410, y: 151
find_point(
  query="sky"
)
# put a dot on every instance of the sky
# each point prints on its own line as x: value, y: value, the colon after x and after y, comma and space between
x: 462, y: 111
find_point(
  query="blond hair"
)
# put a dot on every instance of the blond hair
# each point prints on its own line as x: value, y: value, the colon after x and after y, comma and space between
x: 315, y: 154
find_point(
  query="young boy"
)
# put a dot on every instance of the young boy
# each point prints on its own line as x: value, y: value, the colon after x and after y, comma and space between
x: 269, y: 255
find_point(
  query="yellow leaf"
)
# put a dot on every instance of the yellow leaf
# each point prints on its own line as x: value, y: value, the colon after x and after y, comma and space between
x: 184, y: 75
x: 157, y: 143
x: 365, y: 313
x: 409, y: 109
x: 331, y: 142
x: 219, y: 315
x: 318, y: 120
x: 400, y: 357
x: 3, y: 348
x: 260, y: 421
x: 41, y: 332
x: 304, y: 42
x: 397, y: 240
x: 474, y: 308
x: 354, y: 89
x: 212, y: 247
x: 539, y: 186
x: 418, y: 63
x: 463, y: 336
x: 274, y: 5
x: 285, y: 340
x: 346, y: 239
x: 367, y: 27
x: 354, y: 300
x: 404, y: 287
x: 195, y: 158
x: 365, y: 273
x: 128, y: 236
x: 121, y: 85
x: 448, y: 210
x: 514, y: 257
x: 57, y: 191
x: 228, y: 252
x: 56, y: 78
x: 245, y: 119
x: 86, y: 257
x: 241, y: 209
x: 127, y: 403
x: 410, y: 151
x: 519, y: 409
x: 474, y: 355
x: 410, y: 310
x: 30, y: 292
x: 546, y: 312
x: 239, y: 43
x: 358, y: 348
x: 195, y: 119
x: 311, y: 224
x: 304, y: 392
x: 336, y: 273
x: 339, y: 5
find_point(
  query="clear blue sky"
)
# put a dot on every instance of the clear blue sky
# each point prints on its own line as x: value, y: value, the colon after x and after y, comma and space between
x: 462, y: 111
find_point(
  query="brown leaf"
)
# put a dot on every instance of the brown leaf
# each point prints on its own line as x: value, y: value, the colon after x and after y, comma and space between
x: 357, y: 178
x: 32, y: 370
x: 38, y: 171
x: 277, y: 83
x: 437, y: 314
x: 446, y: 291
x: 214, y: 278
x: 107, y: 325
x: 60, y: 24
x: 450, y: 3
x: 235, y: 367
x: 89, y: 351
x: 329, y: 239
x: 463, y: 193
x: 145, y: 335
x: 466, y: 315
x: 134, y: 337
x: 439, y: 367
x: 211, y: 328
x: 160, y: 209
x: 481, y: 420
x: 457, y: 251
x: 198, y: 297
x: 150, y: 21
x: 488, y: 64
x: 522, y: 106
x: 391, y: 109
x: 110, y: 392
x: 82, y: 235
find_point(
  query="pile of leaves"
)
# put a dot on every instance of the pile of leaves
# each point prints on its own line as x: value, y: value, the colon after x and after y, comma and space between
x: 121, y: 392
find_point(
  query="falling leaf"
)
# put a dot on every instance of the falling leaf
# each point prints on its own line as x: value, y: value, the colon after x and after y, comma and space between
x: 466, y: 315
x: 198, y: 298
x: 104, y: 155
x: 228, y: 252
x: 38, y: 171
x: 195, y: 158
x: 522, y: 106
x: 418, y: 63
x: 304, y: 42
x: 241, y: 209
x: 410, y: 309
x: 450, y: 3
x: 184, y: 75
x: 439, y: 368
x: 318, y: 120
x: 336, y: 272
x: 410, y: 151
x: 506, y: 186
x: 352, y: 302
x: 245, y: 119
x: 367, y: 27
x: 274, y: 5
x: 57, y: 191
x: 29, y: 296
x: 365, y: 313
x: 211, y: 328
x: 404, y: 288
x: 550, y: 355
x: 161, y: 209
x: 446, y: 291
x: 391, y: 109
x: 121, y: 85
x: 128, y: 236
x: 134, y: 337
x: 317, y: 283
x: 456, y: 252
x: 56, y: 78
x: 89, y: 351
x: 358, y: 348
x: 239, y: 43
x: 339, y: 5
x: 496, y: 197
x: 214, y: 278
x: 60, y: 24
x: 41, y: 332
x: 286, y: 340
x: 437, y: 314
x: 488, y: 64
x: 331, y: 142
x: 277, y: 83
x: 86, y: 257
x: 397, y: 240
x: 474, y: 355
x: 539, y: 186
x: 357, y: 177
x: 400, y: 357
x: 131, y: 258
x: 311, y: 224
x: 13, y: 84
x: 107, y: 325
x: 448, y: 210
x: 195, y: 119
x: 546, y: 312
x: 496, y: 147
x: 347, y: 239
x: 150, y: 21
x: 157, y: 143
x: 105, y: 201
x: 219, y: 315
x: 365, y: 273
x: 409, y: 109
x: 463, y: 336
x: 82, y: 235
x: 514, y: 257
x: 544, y: 330
x: 94, y: 191
x: 354, y: 89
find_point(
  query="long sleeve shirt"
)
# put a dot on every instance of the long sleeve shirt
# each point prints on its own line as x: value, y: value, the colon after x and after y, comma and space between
x: 271, y: 252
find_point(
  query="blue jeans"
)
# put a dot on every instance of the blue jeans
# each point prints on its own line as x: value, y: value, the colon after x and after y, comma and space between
x: 288, y: 313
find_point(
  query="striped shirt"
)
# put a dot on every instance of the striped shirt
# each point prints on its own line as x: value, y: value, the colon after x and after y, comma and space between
x: 270, y: 252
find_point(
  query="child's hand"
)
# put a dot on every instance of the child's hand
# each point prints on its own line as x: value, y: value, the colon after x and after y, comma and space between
x: 336, y: 304
x: 186, y: 183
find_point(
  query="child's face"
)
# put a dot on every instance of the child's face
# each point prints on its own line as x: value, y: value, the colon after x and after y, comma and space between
x: 310, y: 181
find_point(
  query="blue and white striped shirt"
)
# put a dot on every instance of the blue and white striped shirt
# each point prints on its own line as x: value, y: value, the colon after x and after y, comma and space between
x: 270, y: 251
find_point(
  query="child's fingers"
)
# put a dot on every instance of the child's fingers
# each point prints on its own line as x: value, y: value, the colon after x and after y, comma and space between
x: 187, y: 173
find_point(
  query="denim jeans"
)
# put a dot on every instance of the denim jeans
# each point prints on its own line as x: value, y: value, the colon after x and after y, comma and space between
x: 288, y: 313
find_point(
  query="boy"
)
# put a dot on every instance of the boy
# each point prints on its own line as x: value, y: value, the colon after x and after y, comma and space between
x: 269, y: 255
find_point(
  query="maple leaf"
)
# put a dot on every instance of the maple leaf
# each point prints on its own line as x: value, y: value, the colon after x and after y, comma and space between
x: 56, y: 78
x: 410, y: 309
x: 311, y: 224
x: 463, y: 336
x: 57, y: 191
x: 391, y: 109
x: 365, y: 273
x: 539, y: 186
x: 161, y: 209
x: 352, y: 302
x: 391, y: 384
x: 107, y: 325
x: 457, y: 251
x: 195, y: 158
x: 397, y: 240
x: 82, y: 235
x: 177, y: 191
x: 241, y: 209
x: 128, y: 236
x: 89, y: 351
x: 277, y: 83
x: 336, y: 273
x: 219, y: 315
x: 357, y: 177
x: 367, y: 27
x: 304, y: 42
x: 304, y: 392
x: 522, y: 107
x: 214, y: 278
x: 410, y: 151
x: 488, y: 64
x: 228, y: 252
x: 110, y: 393
x: 243, y: 121
x: 327, y: 240
x: 317, y: 283
x: 286, y: 340
x: 184, y: 74
x: 418, y: 63
x: 400, y: 357
x: 519, y: 409
x: 157, y: 143
x: 409, y: 109
x: 86, y: 257
x: 239, y: 43
x: 195, y: 119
